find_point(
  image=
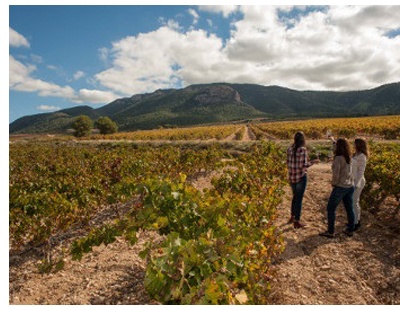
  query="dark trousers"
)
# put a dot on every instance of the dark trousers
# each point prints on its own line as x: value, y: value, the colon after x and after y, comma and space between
x: 340, y: 194
x: 298, y: 190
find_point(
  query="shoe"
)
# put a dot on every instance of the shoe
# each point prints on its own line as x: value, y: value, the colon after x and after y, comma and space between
x: 357, y: 226
x: 327, y: 234
x: 298, y: 225
x: 291, y: 220
x: 348, y: 232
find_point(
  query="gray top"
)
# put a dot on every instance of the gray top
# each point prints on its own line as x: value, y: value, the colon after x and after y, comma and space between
x: 342, y: 175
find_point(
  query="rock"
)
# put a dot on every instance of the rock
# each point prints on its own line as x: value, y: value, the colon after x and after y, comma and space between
x: 97, y: 301
x: 216, y: 94
x: 325, y: 267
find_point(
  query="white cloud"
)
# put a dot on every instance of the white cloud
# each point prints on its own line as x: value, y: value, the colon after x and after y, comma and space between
x: 225, y: 10
x: 94, y: 96
x: 52, y: 67
x: 194, y: 15
x: 103, y: 54
x: 332, y: 50
x: 319, y: 50
x: 359, y: 19
x: 36, y: 58
x: 17, y: 40
x: 141, y: 63
x: 78, y: 75
x: 20, y: 79
x: 157, y: 59
x: 336, y: 48
x: 170, y: 23
x: 18, y: 71
x: 47, y: 108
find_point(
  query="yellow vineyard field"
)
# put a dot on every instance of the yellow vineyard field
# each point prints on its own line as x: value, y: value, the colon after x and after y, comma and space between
x: 387, y: 127
x: 172, y: 134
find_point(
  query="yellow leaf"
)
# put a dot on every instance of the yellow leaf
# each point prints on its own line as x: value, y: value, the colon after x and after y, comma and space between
x: 242, y: 297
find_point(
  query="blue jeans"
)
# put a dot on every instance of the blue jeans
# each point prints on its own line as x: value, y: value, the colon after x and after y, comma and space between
x: 298, y: 190
x: 340, y: 194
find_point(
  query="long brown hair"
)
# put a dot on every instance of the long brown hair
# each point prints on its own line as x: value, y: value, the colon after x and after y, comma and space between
x: 299, y: 141
x: 361, y: 146
x: 343, y: 149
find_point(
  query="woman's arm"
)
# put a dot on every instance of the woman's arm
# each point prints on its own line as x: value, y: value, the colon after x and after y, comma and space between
x: 304, y: 160
x: 336, y: 165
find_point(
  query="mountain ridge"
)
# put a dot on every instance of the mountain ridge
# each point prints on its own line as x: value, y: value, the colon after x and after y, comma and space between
x: 220, y: 102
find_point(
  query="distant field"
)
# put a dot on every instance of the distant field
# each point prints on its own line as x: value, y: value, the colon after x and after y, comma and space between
x: 387, y: 127
x: 380, y: 127
x: 217, y: 132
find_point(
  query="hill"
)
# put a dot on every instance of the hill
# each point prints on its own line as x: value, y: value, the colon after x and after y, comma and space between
x: 220, y: 102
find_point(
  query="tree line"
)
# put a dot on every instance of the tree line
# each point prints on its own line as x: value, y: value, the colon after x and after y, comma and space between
x: 83, y: 126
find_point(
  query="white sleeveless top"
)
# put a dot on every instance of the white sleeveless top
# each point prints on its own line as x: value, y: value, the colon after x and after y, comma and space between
x: 359, y: 162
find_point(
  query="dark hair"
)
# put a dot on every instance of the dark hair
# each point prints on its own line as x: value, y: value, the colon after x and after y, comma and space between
x: 299, y: 141
x: 343, y: 149
x: 361, y: 146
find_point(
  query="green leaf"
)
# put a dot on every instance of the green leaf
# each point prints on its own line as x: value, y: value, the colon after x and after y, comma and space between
x: 221, y: 221
x: 212, y: 292
x: 143, y: 254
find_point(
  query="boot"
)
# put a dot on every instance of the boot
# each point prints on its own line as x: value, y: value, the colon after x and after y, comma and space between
x: 291, y: 220
x: 298, y: 225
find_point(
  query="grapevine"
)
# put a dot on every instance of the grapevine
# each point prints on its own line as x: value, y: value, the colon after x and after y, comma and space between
x: 382, y: 175
x: 218, y: 243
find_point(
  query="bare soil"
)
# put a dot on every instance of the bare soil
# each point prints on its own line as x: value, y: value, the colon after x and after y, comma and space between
x: 248, y: 134
x: 363, y: 269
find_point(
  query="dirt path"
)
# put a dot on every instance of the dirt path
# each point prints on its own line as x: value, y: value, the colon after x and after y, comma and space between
x: 364, y: 269
x: 248, y: 134
x: 232, y: 137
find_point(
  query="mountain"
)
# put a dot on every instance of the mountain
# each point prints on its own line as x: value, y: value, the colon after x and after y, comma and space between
x: 220, y: 102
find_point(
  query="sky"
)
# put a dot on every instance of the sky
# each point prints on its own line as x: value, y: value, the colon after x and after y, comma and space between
x: 68, y: 55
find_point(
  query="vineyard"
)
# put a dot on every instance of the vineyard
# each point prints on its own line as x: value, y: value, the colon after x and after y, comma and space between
x: 218, y: 243
x: 381, y: 127
x: 383, y: 174
x: 173, y: 134
x: 214, y: 245
x: 387, y: 127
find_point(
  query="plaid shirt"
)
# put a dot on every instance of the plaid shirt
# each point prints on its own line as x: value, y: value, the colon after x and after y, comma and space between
x: 297, y: 165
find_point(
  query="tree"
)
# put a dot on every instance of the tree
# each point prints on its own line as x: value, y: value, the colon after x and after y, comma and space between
x: 82, y: 125
x: 106, y: 125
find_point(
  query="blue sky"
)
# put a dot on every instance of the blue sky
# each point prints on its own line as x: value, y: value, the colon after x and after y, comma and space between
x: 64, y: 56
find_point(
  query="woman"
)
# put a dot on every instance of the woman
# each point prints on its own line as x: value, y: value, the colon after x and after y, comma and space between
x: 359, y: 163
x: 297, y: 162
x: 343, y: 188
